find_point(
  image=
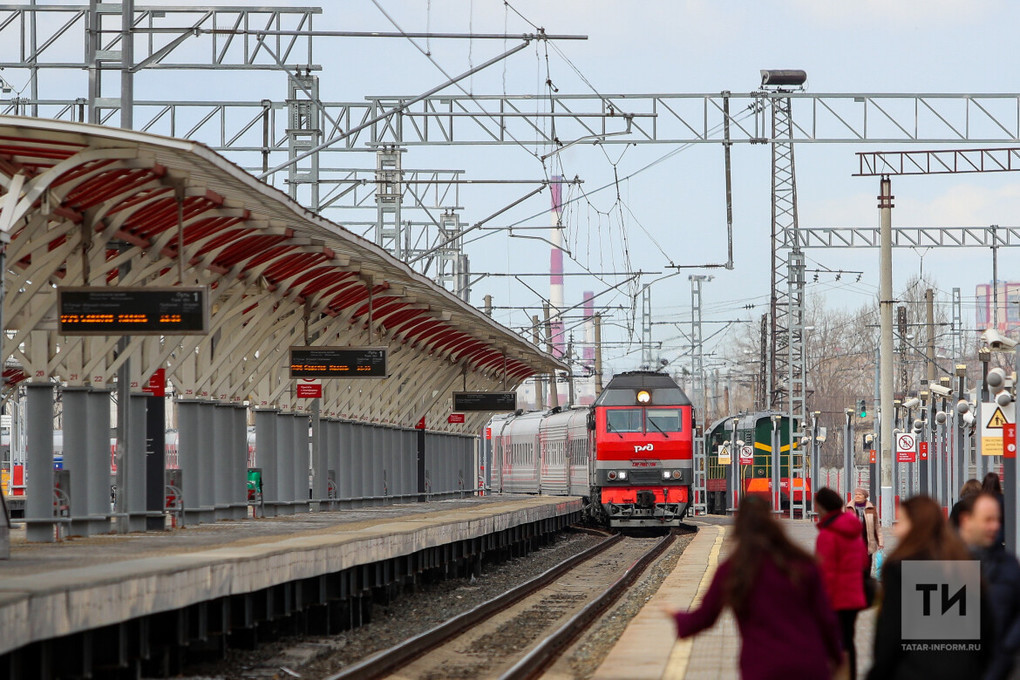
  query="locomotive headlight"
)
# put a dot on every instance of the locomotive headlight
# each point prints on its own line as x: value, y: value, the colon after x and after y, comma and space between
x: 622, y: 474
x: 676, y: 474
x: 665, y: 474
x: 611, y: 475
x: 644, y: 396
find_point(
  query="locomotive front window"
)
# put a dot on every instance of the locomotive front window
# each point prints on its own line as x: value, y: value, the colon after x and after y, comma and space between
x: 623, y: 420
x: 665, y: 420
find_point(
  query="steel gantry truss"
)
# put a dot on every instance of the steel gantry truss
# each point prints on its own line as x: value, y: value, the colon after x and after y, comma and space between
x: 259, y: 134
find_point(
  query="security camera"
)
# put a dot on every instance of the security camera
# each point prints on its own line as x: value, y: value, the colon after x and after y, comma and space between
x: 997, y: 341
x: 941, y: 390
x: 911, y: 403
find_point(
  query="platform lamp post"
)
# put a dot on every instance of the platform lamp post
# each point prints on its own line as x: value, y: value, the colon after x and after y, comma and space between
x: 995, y: 380
x: 984, y: 356
x: 774, y: 464
x: 1009, y: 467
x: 734, y: 465
x: 923, y: 448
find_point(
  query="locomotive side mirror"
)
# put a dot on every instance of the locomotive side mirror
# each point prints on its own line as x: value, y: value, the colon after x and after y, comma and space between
x: 591, y: 420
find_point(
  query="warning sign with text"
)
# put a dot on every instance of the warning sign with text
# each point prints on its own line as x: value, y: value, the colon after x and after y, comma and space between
x: 906, y: 447
x: 993, y: 419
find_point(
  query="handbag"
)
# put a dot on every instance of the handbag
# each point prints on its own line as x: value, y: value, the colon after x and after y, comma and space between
x: 879, y: 560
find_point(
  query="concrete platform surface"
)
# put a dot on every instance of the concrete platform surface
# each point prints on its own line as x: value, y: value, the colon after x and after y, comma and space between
x: 649, y: 649
x: 55, y: 589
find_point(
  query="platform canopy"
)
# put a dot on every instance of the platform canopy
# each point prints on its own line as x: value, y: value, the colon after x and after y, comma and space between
x: 85, y: 205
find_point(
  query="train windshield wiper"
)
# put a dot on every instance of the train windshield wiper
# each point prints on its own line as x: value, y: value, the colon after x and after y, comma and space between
x: 609, y: 428
x: 656, y: 426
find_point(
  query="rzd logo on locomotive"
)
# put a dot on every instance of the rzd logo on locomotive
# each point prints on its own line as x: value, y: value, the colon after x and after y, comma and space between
x: 647, y: 447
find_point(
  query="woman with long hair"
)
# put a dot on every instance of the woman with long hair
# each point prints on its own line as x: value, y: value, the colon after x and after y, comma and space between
x: 787, y: 627
x: 923, y: 535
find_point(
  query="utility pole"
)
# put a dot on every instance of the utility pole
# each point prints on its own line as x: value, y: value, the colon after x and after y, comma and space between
x: 539, y: 383
x: 885, y: 302
x: 554, y: 391
x: 647, y: 360
x: 761, y: 397
x: 570, y: 370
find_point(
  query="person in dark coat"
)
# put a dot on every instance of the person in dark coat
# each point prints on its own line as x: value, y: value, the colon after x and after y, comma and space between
x: 843, y: 560
x: 787, y: 628
x: 923, y: 534
x: 1000, y: 571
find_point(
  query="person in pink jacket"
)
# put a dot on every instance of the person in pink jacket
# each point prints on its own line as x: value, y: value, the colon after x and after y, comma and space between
x: 843, y: 559
x: 774, y: 588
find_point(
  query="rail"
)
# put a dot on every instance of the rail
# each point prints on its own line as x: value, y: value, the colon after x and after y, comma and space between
x: 388, y: 660
x: 542, y: 656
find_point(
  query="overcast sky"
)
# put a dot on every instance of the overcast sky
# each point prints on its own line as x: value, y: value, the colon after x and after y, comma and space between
x: 674, y: 211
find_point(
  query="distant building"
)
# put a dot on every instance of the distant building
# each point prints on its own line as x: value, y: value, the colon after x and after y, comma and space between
x: 1008, y: 302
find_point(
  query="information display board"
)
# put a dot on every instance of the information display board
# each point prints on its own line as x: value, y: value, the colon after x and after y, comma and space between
x: 484, y: 401
x: 337, y: 362
x: 113, y: 310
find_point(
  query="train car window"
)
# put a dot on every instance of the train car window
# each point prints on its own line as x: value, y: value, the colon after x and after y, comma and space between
x: 667, y: 420
x: 624, y: 419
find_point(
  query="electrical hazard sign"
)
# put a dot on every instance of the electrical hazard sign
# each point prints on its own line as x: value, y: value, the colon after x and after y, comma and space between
x: 993, y: 419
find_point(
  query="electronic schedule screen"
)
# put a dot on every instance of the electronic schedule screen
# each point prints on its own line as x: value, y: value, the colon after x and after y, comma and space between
x: 484, y: 401
x: 337, y: 362
x: 112, y: 310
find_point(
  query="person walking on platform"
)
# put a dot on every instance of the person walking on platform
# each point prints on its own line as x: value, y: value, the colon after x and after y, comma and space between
x: 980, y: 524
x: 991, y: 485
x: 787, y: 627
x: 924, y: 535
x: 843, y: 560
x: 971, y: 487
x: 870, y: 527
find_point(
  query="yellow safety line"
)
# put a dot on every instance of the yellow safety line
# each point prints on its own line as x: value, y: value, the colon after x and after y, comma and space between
x: 676, y: 667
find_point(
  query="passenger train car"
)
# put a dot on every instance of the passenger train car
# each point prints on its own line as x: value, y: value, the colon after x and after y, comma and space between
x: 629, y: 455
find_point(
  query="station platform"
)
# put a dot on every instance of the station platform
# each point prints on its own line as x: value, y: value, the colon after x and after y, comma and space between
x: 48, y: 591
x: 649, y: 649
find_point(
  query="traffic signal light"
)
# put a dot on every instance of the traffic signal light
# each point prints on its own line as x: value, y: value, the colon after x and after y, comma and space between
x: 862, y: 408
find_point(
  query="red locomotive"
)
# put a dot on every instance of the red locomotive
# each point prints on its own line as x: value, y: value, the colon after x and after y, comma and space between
x: 630, y: 454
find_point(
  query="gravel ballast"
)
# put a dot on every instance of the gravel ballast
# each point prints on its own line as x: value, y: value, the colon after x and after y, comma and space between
x: 405, y: 617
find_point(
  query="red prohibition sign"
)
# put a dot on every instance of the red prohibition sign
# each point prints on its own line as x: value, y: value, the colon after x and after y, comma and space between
x: 906, y: 442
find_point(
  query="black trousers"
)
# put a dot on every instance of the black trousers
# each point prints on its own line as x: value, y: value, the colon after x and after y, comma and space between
x: 847, y: 620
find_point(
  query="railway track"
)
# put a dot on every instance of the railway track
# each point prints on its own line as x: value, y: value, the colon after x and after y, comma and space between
x: 524, y: 631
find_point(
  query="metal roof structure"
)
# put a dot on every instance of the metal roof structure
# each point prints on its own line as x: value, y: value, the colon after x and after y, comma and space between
x: 85, y: 205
